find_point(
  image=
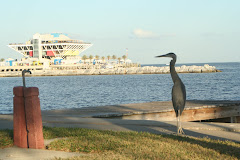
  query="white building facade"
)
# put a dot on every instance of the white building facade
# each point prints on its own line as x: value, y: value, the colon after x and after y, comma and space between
x: 50, y: 46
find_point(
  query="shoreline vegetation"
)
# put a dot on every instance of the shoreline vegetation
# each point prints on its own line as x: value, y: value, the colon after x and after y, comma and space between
x: 107, y: 69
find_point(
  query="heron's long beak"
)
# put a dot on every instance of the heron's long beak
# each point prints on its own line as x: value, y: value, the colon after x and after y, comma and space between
x: 161, y: 56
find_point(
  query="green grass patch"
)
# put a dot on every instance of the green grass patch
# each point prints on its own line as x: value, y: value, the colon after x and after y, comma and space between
x: 6, y: 138
x: 131, y: 145
x: 135, y: 145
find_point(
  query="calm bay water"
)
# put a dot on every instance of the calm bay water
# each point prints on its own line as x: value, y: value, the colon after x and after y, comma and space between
x: 86, y: 91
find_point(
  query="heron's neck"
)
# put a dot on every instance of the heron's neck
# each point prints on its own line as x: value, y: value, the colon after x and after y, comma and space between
x: 173, y: 71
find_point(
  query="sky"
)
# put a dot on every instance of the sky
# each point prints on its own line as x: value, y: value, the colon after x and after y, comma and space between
x: 197, y: 31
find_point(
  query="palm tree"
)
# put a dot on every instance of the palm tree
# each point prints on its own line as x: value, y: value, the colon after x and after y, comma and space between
x: 114, y: 57
x: 119, y: 59
x: 2, y: 59
x: 97, y: 57
x: 84, y: 57
x: 91, y: 57
x: 103, y: 58
x: 108, y: 57
x: 124, y: 57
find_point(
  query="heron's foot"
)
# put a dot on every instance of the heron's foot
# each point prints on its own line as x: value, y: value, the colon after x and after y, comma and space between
x: 180, y: 131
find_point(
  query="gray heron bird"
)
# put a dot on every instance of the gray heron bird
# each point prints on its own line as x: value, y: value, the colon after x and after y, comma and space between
x: 178, y: 91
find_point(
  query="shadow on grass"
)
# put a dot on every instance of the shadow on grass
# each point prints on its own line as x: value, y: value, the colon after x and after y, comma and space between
x: 211, y: 142
x: 222, y: 147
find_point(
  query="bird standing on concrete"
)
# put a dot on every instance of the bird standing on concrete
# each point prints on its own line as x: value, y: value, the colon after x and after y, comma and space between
x: 178, y: 91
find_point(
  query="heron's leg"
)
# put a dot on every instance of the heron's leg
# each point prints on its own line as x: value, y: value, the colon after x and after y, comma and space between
x: 179, y: 126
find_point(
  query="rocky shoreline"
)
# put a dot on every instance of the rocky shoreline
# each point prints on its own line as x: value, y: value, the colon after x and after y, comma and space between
x: 113, y: 71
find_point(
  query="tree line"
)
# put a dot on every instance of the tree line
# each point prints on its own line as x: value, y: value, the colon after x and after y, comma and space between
x: 97, y: 57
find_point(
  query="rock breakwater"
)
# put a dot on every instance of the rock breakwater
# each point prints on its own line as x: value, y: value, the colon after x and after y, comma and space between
x: 113, y: 71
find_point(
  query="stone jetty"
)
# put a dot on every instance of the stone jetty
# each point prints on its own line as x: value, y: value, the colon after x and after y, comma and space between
x: 96, y: 70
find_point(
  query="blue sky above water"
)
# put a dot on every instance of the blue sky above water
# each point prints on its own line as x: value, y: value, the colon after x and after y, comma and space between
x: 196, y: 30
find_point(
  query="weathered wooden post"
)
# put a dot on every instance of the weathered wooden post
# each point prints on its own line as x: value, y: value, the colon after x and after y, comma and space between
x: 27, y: 119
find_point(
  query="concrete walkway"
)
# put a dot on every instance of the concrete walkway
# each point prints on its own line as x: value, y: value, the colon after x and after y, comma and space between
x: 83, y: 118
x: 15, y: 153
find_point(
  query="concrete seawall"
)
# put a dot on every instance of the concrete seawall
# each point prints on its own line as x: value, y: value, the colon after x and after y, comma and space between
x: 68, y: 71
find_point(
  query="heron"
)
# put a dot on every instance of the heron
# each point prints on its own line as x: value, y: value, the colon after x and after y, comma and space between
x: 178, y: 91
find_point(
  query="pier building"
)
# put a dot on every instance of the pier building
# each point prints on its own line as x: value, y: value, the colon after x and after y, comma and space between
x: 50, y: 46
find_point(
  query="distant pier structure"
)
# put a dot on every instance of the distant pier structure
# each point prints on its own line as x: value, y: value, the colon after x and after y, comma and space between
x: 56, y: 54
x: 50, y: 46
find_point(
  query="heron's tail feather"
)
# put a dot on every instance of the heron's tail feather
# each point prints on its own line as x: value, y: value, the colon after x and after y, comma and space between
x: 177, y: 113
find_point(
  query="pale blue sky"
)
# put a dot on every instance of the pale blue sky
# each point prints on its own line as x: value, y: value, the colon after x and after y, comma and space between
x: 196, y: 30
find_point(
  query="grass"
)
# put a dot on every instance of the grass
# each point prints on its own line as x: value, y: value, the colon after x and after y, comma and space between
x: 6, y: 138
x: 132, y: 145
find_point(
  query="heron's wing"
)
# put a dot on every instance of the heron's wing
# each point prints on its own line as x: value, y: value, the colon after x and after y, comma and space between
x: 178, y: 97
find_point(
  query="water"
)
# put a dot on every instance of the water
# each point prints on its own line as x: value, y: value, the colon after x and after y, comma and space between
x: 86, y: 91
